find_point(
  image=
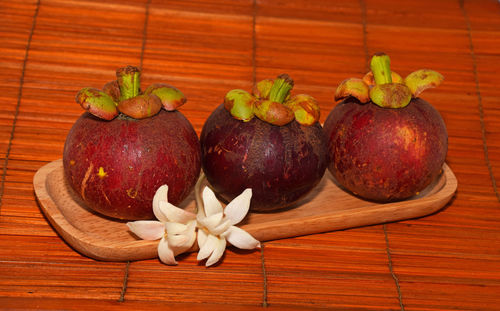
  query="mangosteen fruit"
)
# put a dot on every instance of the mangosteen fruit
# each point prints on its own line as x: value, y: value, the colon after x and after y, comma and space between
x: 384, y: 142
x: 127, y: 144
x: 268, y: 141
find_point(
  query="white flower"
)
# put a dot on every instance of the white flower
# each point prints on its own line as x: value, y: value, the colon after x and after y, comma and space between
x: 216, y: 226
x: 176, y: 228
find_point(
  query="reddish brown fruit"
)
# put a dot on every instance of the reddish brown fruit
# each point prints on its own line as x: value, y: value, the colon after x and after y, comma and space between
x: 385, y: 154
x: 117, y: 166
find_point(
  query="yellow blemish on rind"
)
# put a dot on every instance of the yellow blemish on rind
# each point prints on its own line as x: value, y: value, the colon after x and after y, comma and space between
x: 406, y: 136
x: 101, y: 172
x: 106, y: 197
x: 132, y: 193
x: 72, y: 162
x: 85, y: 179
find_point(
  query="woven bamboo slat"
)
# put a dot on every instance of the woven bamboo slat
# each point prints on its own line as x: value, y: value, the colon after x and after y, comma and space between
x: 449, y: 260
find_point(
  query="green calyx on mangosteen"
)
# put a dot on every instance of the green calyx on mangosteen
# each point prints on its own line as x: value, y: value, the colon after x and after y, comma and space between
x: 269, y: 141
x: 384, y: 142
x: 123, y: 95
x: 386, y: 88
x: 127, y: 144
x: 271, y: 102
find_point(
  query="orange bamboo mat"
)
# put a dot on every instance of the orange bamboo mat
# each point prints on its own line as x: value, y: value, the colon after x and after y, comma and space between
x: 447, y: 261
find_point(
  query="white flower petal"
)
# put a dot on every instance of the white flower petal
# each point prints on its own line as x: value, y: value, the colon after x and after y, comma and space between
x: 177, y: 240
x: 208, y: 247
x: 202, y: 237
x: 237, y: 209
x: 160, y: 195
x: 210, y: 222
x: 166, y: 254
x: 187, y: 243
x: 221, y: 228
x: 183, y: 238
x: 217, y: 253
x: 192, y: 233
x: 211, y: 204
x: 191, y: 225
x: 147, y: 229
x: 174, y: 214
x: 175, y: 228
x: 240, y: 238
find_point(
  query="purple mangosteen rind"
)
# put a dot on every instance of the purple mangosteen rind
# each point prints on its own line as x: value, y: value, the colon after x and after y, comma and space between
x: 129, y: 143
x: 267, y: 140
x: 281, y: 164
x: 116, y: 166
x: 385, y: 143
x: 402, y: 151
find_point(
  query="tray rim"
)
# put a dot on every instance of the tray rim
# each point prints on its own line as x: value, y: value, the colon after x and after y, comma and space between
x: 100, y: 249
x: 77, y: 238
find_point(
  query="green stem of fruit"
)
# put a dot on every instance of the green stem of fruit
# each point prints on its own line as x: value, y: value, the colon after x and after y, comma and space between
x: 281, y: 88
x: 128, y: 81
x: 381, y: 68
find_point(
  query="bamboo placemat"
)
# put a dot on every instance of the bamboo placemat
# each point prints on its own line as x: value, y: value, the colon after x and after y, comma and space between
x: 51, y: 49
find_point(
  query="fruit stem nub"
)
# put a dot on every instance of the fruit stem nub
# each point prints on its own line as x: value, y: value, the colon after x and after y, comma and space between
x: 281, y: 88
x: 129, y: 81
x: 381, y: 68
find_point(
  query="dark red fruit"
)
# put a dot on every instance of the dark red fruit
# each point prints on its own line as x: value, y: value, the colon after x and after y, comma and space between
x: 280, y: 163
x: 116, y: 166
x: 385, y: 154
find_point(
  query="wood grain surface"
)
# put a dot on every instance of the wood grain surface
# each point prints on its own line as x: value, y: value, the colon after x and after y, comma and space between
x: 326, y: 208
x: 449, y: 260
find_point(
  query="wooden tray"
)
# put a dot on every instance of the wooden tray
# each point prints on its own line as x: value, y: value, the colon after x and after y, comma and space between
x: 326, y: 208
